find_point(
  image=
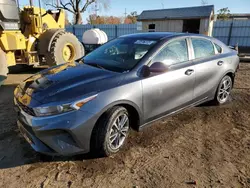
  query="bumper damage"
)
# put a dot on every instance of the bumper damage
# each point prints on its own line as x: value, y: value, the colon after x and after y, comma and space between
x: 57, y: 135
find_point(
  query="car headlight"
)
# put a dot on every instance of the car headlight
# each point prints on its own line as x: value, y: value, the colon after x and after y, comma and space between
x: 53, y: 110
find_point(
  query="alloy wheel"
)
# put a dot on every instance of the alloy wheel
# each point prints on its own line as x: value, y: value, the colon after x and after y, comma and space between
x: 224, y: 90
x: 118, y: 131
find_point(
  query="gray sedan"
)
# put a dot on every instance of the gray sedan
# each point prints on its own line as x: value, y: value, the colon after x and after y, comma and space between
x: 90, y: 105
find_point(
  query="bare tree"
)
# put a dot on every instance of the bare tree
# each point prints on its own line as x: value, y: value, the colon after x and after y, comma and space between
x: 76, y: 7
x: 204, y: 2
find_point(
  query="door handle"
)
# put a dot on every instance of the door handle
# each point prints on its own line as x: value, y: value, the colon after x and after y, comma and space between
x: 220, y: 63
x: 189, y: 72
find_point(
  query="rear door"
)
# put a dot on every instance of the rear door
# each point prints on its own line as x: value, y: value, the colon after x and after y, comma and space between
x: 209, y: 63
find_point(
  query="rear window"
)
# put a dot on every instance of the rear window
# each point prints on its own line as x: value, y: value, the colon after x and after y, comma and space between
x: 202, y: 48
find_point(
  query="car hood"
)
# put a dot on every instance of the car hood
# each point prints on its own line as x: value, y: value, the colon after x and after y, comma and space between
x: 67, y: 82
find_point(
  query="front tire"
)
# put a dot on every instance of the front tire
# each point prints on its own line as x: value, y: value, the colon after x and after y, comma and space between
x: 223, y: 92
x: 110, y: 132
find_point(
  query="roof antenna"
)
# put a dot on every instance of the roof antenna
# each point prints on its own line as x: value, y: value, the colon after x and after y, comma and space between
x: 162, y: 4
x: 204, y: 2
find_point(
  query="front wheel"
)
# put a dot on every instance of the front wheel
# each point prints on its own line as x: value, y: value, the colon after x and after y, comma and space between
x: 110, y: 132
x: 223, y: 92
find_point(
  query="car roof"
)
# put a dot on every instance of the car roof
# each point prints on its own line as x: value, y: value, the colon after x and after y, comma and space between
x: 159, y: 35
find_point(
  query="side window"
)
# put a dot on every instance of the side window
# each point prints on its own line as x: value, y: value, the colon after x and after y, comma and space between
x: 218, y: 48
x: 174, y: 52
x: 202, y: 48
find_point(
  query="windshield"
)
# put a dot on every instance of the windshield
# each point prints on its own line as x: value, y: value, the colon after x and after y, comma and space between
x: 8, y: 10
x: 119, y: 55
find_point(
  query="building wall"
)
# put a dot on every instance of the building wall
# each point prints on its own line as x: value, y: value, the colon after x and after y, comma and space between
x: 164, y: 25
x: 206, y: 25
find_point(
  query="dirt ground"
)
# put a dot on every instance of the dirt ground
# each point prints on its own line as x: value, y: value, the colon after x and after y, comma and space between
x: 208, y: 144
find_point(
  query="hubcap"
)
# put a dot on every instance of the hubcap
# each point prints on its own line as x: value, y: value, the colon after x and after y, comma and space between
x: 118, y: 132
x: 68, y: 52
x: 224, y: 91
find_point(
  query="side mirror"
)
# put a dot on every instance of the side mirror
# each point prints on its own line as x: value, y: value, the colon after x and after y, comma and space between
x: 158, y: 67
x: 145, y: 72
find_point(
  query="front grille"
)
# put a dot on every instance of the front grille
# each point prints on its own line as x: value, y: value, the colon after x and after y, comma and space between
x: 26, y: 109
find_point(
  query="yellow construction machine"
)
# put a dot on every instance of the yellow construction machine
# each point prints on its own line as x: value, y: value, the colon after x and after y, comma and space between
x: 34, y: 36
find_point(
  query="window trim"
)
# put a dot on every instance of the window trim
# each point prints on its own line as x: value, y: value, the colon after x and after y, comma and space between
x: 192, y: 47
x: 165, y: 44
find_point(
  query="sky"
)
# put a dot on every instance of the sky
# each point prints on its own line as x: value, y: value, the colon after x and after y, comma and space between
x: 117, y: 7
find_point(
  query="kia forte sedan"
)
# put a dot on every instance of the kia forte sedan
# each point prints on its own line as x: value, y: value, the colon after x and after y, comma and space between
x: 128, y: 83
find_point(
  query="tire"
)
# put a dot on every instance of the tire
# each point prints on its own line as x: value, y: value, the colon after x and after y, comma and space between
x: 222, y: 95
x: 58, y: 55
x: 3, y: 67
x: 101, y: 140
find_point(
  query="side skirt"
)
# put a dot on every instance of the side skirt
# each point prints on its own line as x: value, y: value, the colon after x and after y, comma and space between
x: 174, y: 112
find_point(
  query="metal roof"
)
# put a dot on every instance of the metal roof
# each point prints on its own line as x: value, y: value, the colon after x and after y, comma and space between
x: 177, y: 13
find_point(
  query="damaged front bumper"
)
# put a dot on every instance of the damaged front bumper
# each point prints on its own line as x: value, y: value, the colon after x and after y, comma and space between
x: 64, y: 134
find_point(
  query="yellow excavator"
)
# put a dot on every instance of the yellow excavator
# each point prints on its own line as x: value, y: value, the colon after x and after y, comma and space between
x: 34, y: 36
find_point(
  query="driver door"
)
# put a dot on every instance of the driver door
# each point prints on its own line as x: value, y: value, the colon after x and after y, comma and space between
x: 164, y: 93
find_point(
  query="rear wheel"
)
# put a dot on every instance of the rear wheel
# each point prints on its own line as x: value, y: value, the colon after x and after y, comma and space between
x: 223, y: 92
x: 65, y: 47
x: 3, y: 66
x: 110, y: 132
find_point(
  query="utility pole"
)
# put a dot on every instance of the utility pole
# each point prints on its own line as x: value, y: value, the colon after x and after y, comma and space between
x: 125, y: 13
x: 57, y: 3
x: 31, y: 3
x: 96, y: 8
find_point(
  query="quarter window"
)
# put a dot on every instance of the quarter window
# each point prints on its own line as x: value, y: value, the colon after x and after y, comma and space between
x: 202, y: 48
x: 218, y: 48
x: 174, y: 52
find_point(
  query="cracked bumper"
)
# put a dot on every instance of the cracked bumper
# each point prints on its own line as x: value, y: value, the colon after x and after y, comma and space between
x: 64, y: 134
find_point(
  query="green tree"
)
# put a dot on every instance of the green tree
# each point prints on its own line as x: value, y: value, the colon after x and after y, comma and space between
x: 223, y: 14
